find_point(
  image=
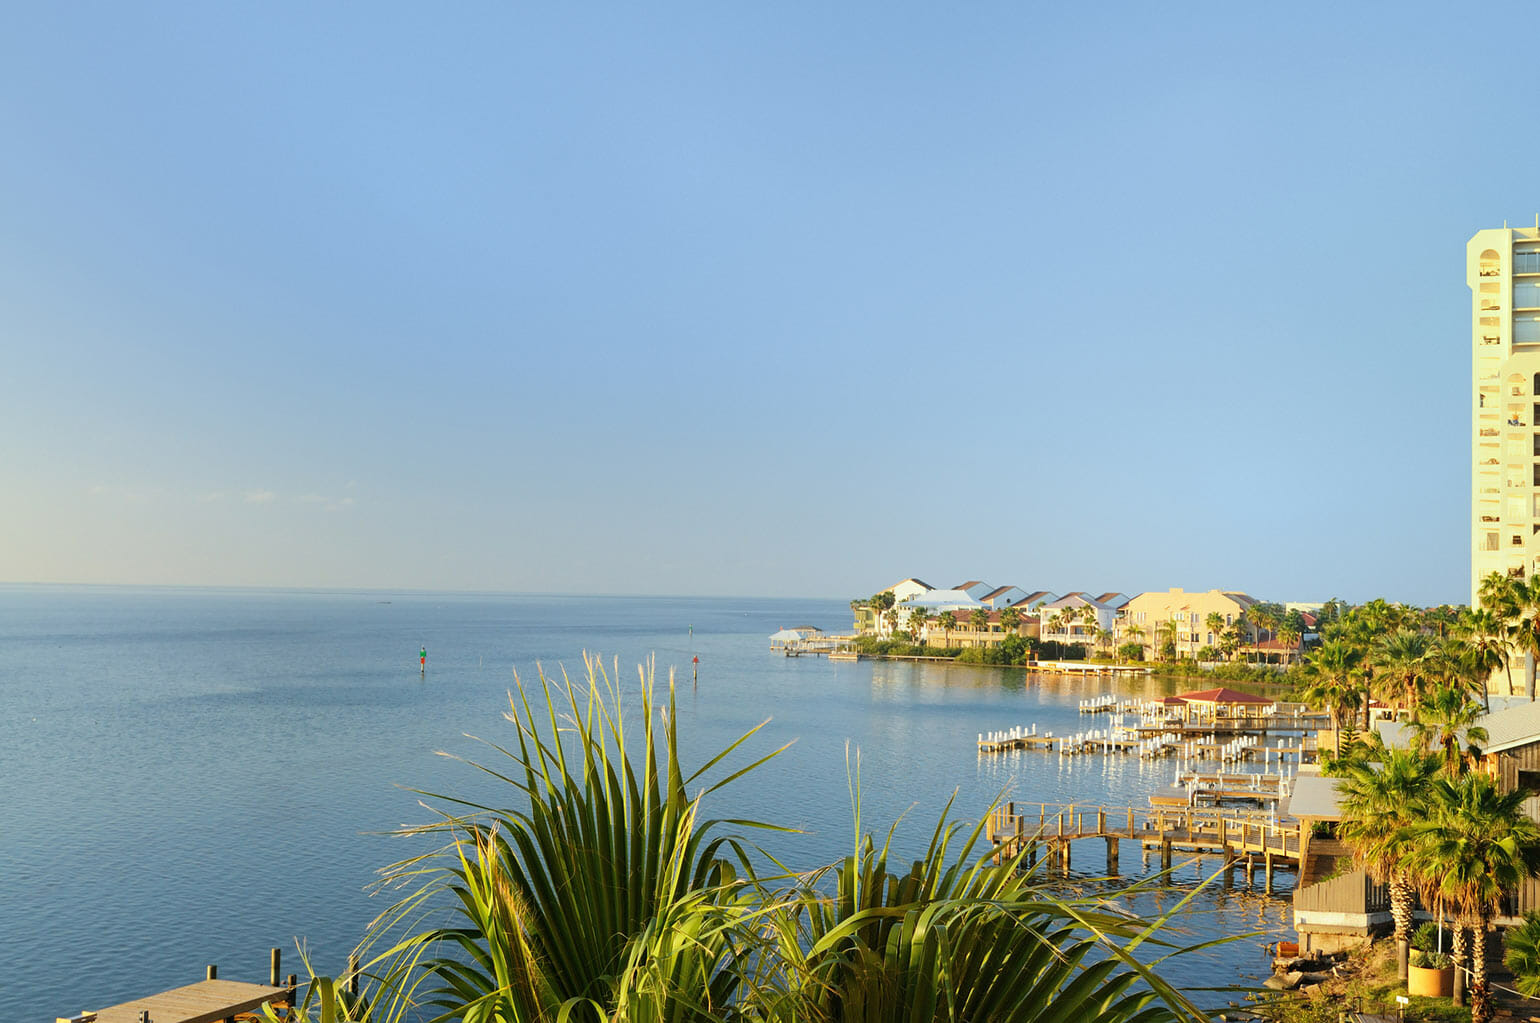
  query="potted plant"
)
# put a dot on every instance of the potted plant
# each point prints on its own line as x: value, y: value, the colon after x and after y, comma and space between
x: 1430, y: 974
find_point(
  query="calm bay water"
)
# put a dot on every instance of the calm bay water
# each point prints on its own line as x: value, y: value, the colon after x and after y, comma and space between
x: 195, y: 776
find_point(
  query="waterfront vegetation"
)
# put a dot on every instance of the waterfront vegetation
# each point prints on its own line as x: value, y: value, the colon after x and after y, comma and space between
x: 1366, y: 983
x: 599, y: 890
x: 1431, y: 820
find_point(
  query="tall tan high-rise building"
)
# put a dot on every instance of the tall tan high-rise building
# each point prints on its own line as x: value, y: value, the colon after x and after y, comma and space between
x: 1502, y: 267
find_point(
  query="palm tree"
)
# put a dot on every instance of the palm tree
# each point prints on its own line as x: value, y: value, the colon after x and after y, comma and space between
x: 1377, y: 806
x: 979, y: 619
x: 1133, y: 633
x: 1333, y: 673
x: 917, y: 619
x: 1262, y: 621
x: 1473, y: 846
x: 1447, y: 717
x: 1521, y: 954
x: 1054, y: 624
x: 1403, y: 655
x: 1487, y: 636
x: 1010, y: 620
x: 948, y: 621
x: 1166, y: 634
x: 879, y: 603
x: 1290, y: 637
x: 1526, y: 626
x: 1216, y: 624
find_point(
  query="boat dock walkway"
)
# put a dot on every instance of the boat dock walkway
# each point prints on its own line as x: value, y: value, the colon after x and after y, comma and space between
x: 1245, y: 838
x: 1149, y: 744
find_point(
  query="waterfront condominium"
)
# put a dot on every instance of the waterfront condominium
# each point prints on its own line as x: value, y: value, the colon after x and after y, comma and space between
x: 1502, y: 268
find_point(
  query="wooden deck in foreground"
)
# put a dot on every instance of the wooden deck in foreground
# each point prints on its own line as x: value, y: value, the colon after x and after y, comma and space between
x: 204, y: 1002
x: 1237, y: 835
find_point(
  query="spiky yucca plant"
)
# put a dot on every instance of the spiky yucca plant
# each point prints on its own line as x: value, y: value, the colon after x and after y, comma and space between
x: 958, y: 935
x: 600, y: 893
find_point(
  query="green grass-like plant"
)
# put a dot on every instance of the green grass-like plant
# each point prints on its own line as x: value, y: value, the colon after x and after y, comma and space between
x: 601, y: 893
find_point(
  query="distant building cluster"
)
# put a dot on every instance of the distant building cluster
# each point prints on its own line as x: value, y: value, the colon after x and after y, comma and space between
x: 1213, y: 625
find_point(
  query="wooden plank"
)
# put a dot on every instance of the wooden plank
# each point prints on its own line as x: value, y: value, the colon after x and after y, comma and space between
x: 203, y: 1002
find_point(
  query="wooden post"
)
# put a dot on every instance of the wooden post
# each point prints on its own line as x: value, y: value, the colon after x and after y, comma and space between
x: 1165, y: 854
x: 1267, y: 872
x: 273, y: 967
x: 293, y: 986
x: 213, y: 972
x: 1112, y: 854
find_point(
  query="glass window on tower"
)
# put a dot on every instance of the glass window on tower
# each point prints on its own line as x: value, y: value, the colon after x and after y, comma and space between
x: 1526, y: 330
x: 1526, y: 261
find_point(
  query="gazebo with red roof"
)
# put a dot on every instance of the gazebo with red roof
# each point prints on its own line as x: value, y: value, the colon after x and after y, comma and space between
x: 1232, y: 702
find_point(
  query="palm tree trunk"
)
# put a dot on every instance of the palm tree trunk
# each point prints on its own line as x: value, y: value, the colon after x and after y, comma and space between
x: 1403, y: 901
x: 1480, y: 1002
x: 1461, y: 959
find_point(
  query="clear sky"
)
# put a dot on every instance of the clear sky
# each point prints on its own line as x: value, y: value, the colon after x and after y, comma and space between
x: 782, y: 299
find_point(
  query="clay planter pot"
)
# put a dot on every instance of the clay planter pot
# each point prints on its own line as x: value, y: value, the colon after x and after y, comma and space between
x: 1430, y: 983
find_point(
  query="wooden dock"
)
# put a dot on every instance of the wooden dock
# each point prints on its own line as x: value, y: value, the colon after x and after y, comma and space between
x: 1243, y: 838
x: 204, y: 1002
x: 210, y: 1000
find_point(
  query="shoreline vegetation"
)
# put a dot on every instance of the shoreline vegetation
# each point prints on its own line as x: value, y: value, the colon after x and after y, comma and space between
x: 605, y: 896
x: 1009, y: 655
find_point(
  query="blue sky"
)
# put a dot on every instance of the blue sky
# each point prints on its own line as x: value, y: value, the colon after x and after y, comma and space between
x: 796, y: 300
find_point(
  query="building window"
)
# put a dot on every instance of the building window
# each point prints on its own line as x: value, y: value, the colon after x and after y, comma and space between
x: 1518, y: 540
x: 1526, y: 330
x: 1526, y: 262
x: 1526, y: 294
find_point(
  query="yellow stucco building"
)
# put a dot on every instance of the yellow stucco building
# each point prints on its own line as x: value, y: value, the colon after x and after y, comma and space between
x: 1502, y: 268
x: 1181, y: 615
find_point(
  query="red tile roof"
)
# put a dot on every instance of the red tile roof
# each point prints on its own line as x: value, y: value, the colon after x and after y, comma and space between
x: 1222, y: 696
